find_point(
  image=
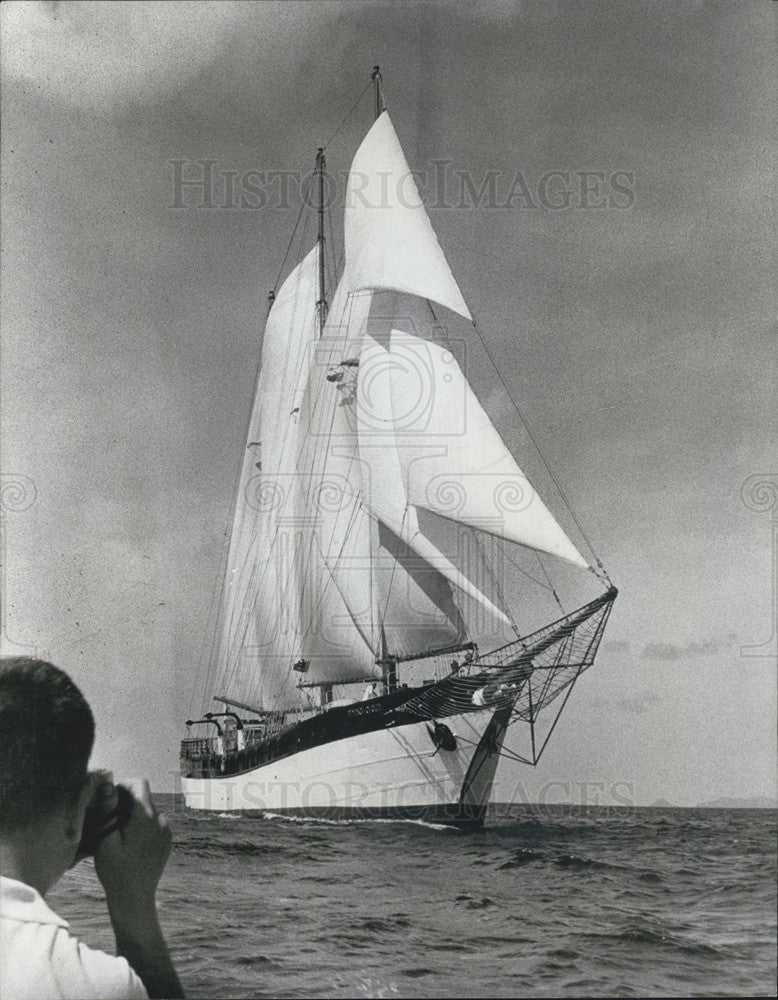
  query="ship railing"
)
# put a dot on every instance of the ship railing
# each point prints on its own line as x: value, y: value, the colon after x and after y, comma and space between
x: 201, y: 746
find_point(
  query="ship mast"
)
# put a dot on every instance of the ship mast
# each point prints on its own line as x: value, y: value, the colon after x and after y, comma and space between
x: 321, y: 302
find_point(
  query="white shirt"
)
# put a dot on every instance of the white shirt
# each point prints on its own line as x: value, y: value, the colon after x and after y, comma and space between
x: 39, y: 960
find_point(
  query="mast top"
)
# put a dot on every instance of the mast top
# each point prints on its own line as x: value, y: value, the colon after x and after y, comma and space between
x: 379, y: 99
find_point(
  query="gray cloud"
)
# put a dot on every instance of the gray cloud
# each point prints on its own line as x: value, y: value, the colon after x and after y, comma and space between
x: 109, y: 56
x: 638, y: 703
x: 693, y: 650
x: 616, y: 647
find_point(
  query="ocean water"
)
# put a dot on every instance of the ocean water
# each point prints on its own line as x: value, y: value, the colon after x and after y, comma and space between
x: 546, y: 901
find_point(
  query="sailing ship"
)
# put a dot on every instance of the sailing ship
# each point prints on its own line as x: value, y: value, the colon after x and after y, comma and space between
x: 348, y: 673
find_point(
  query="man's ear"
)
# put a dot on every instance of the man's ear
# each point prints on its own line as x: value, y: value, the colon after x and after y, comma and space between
x: 78, y: 806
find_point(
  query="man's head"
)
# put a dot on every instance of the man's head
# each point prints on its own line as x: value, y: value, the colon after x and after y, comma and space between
x: 46, y: 736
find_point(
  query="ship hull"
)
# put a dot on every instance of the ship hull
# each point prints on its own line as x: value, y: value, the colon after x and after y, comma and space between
x: 394, y: 756
x: 393, y: 773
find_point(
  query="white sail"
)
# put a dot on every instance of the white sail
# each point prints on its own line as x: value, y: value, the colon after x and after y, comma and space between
x: 390, y: 242
x: 450, y: 458
x: 384, y: 483
x: 340, y: 634
x: 261, y: 600
x: 402, y: 585
x: 358, y: 429
x: 415, y: 601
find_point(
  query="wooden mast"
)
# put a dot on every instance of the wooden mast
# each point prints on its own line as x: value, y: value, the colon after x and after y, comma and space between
x: 321, y: 302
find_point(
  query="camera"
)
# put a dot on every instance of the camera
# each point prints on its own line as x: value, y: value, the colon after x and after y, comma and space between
x: 100, y: 822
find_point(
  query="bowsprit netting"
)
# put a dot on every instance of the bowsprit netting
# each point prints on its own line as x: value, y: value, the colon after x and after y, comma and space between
x: 528, y: 674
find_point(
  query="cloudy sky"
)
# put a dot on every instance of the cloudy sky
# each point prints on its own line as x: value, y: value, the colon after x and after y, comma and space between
x: 638, y: 335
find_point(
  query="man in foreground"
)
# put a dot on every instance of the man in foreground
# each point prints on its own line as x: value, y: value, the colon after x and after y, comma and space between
x: 46, y: 737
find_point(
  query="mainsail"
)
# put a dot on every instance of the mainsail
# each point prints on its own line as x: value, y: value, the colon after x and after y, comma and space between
x: 261, y: 608
x: 362, y: 424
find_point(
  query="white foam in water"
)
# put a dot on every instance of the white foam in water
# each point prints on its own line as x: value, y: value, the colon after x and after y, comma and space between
x: 353, y: 822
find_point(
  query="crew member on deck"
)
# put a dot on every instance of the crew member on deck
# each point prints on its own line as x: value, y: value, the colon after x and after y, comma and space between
x: 371, y: 691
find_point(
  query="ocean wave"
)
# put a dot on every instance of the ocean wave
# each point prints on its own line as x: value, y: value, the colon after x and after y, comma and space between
x: 577, y: 861
x: 652, y: 878
x: 535, y: 829
x: 220, y: 847
x: 521, y: 857
x: 651, y: 937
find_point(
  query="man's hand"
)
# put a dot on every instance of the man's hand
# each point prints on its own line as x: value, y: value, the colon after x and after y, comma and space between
x: 129, y: 863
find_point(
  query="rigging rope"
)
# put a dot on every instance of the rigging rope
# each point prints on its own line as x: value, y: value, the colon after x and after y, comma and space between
x: 550, y: 584
x: 495, y: 583
x: 395, y: 562
x: 501, y: 752
x: 294, y: 231
x: 537, y: 447
x: 349, y: 113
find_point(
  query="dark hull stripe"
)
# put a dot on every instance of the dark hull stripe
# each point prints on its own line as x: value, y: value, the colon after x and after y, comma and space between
x: 451, y: 696
x: 337, y: 724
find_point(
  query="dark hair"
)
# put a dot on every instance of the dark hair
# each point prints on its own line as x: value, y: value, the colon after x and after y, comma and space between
x: 46, y: 736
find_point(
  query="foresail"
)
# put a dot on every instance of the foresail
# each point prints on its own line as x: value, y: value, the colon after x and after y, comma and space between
x: 383, y: 477
x: 415, y: 601
x: 390, y: 242
x: 450, y: 459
